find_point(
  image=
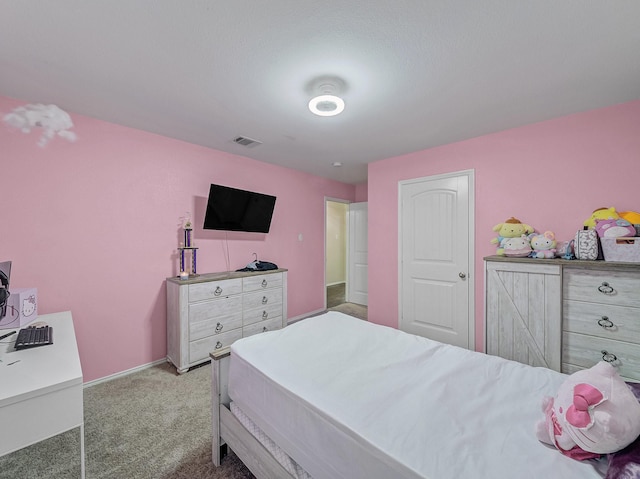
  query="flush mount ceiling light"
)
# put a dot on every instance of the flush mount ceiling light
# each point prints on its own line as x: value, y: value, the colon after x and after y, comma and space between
x: 326, y: 101
x: 326, y: 105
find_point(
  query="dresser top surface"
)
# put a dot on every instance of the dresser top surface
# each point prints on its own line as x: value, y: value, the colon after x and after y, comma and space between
x: 598, y: 264
x: 203, y: 278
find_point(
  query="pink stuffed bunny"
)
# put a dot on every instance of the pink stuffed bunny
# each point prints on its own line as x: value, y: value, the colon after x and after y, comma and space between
x: 594, y: 413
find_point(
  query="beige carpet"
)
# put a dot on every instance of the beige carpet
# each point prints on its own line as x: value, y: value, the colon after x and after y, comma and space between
x: 352, y: 309
x: 336, y: 294
x: 336, y: 302
x: 152, y: 424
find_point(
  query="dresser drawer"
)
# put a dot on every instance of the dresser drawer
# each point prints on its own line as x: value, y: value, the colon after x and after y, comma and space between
x: 260, y: 299
x: 261, y: 314
x: 584, y: 351
x: 603, y: 320
x: 262, y: 281
x: 213, y: 309
x: 208, y: 327
x: 214, y: 289
x: 263, y: 326
x: 201, y: 348
x: 606, y: 287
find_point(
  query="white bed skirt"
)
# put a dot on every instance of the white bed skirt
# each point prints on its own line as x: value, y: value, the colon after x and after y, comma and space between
x: 349, y: 399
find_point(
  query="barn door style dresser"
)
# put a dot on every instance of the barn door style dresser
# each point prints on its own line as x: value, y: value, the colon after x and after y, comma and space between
x: 211, y: 311
x: 564, y: 314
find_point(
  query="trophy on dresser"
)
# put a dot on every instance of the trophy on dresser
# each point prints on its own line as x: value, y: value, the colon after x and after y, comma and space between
x: 187, y: 247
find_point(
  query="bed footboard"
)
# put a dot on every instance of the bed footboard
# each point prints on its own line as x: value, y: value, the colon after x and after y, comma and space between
x: 226, y: 429
x: 219, y: 397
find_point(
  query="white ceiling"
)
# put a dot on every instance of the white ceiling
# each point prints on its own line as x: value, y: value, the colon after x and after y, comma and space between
x: 418, y: 73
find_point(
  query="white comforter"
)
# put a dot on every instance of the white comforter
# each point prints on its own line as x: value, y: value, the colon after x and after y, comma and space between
x: 350, y: 399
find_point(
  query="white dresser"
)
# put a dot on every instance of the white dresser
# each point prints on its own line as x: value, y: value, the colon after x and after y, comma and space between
x: 565, y: 315
x: 211, y: 311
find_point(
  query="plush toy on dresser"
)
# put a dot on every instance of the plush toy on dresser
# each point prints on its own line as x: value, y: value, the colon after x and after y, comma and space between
x: 601, y: 214
x: 516, y: 247
x: 543, y: 245
x: 512, y: 228
x: 632, y: 217
x: 614, y: 228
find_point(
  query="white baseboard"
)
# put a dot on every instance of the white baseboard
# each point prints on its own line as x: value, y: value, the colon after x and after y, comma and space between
x: 124, y: 373
x: 336, y: 283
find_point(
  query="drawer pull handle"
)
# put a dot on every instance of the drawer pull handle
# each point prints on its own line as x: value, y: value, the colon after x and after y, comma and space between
x: 265, y: 315
x: 218, y: 291
x: 605, y: 288
x: 264, y: 300
x: 264, y: 283
x: 218, y: 345
x: 605, y: 322
x: 609, y: 357
x: 219, y: 327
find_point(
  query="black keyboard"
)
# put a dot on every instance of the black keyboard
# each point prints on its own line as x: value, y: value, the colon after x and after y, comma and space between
x: 31, y: 337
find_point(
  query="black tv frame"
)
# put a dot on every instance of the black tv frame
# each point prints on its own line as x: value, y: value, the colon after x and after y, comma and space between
x: 233, y: 209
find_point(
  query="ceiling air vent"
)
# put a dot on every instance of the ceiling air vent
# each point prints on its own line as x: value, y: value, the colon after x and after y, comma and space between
x: 248, y: 142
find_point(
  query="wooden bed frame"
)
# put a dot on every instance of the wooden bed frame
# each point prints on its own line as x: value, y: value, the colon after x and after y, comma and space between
x: 228, y: 431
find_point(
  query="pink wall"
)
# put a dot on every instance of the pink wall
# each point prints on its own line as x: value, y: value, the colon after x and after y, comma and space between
x: 362, y: 192
x: 94, y: 225
x: 551, y: 175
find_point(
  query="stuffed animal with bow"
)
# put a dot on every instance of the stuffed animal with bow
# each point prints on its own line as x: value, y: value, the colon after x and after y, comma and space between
x: 593, y: 413
x: 543, y: 245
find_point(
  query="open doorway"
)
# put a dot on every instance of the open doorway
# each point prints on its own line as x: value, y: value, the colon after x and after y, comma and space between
x: 346, y: 257
x: 336, y: 232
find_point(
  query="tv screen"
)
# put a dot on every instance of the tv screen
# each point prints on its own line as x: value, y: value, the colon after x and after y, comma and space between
x: 231, y: 209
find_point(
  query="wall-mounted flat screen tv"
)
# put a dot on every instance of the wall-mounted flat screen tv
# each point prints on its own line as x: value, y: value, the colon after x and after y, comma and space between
x: 231, y: 209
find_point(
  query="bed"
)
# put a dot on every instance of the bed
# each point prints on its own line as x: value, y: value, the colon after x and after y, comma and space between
x: 336, y: 397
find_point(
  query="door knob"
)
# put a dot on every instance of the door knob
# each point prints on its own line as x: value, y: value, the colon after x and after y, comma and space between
x: 462, y: 275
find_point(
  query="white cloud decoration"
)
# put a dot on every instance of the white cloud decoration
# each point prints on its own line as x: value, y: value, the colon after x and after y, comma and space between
x: 50, y: 118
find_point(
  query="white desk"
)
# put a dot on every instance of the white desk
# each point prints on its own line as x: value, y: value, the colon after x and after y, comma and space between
x: 44, y: 382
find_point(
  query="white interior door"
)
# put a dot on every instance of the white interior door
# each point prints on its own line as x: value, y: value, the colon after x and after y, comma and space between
x: 357, y: 282
x: 436, y: 269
